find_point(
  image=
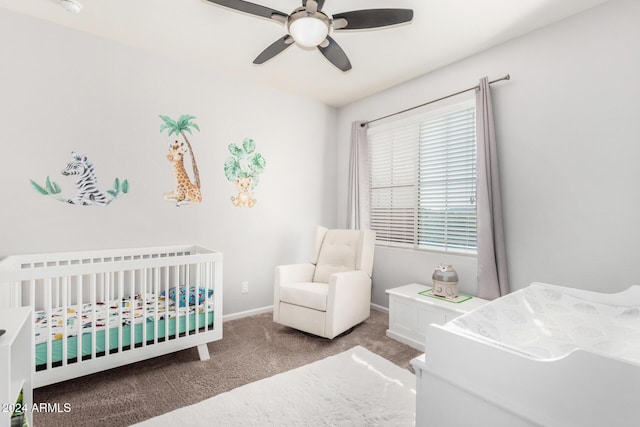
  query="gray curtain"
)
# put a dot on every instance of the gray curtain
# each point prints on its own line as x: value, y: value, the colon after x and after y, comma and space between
x: 492, y: 260
x: 358, y: 197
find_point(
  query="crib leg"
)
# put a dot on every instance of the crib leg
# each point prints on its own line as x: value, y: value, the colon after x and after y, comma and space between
x: 203, y: 352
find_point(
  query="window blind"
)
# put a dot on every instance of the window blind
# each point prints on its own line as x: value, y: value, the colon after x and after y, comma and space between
x: 423, y: 180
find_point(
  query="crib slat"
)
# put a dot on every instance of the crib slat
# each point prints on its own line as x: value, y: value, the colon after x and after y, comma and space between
x: 143, y: 279
x: 156, y: 292
x: 132, y: 314
x: 63, y: 306
x: 197, y: 284
x: 210, y: 267
x: 49, y: 317
x: 217, y: 279
x: 32, y: 304
x: 94, y: 341
x: 176, y: 283
x: 202, y: 277
x: 56, y: 293
x: 201, y: 272
x: 207, y: 299
x: 187, y: 285
x: 120, y: 308
x: 167, y: 314
x: 79, y: 309
x: 106, y: 283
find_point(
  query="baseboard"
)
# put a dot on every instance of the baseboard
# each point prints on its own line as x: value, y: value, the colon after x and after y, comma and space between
x: 247, y: 313
x: 269, y: 308
x: 379, y: 308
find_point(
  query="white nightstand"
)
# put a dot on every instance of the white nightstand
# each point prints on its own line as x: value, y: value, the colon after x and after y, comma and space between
x: 410, y: 313
x: 15, y: 361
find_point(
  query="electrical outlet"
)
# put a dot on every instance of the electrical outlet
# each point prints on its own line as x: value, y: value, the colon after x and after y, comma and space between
x: 245, y: 287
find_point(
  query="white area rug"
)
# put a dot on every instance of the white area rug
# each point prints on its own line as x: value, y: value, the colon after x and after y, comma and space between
x: 353, y: 388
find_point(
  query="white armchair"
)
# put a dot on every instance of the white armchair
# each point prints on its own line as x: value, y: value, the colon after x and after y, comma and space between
x: 332, y: 293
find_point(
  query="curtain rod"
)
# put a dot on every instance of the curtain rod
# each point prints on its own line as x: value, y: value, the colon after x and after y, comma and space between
x: 507, y: 77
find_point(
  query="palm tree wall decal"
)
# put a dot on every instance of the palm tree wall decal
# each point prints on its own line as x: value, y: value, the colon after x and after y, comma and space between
x: 180, y: 126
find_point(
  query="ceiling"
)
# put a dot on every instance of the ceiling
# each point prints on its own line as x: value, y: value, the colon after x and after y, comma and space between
x: 442, y: 32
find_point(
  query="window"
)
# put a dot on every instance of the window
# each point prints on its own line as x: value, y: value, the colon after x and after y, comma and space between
x: 422, y: 178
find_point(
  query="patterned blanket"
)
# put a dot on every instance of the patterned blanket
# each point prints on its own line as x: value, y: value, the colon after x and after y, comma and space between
x: 104, y: 315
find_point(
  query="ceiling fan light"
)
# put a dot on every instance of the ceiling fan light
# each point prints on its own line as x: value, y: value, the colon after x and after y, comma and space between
x: 71, y: 6
x: 308, y: 31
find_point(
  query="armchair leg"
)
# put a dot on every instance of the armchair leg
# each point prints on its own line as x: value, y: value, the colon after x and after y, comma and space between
x: 347, y: 332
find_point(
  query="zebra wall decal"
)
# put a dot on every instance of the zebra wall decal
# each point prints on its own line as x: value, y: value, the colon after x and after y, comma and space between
x: 87, y: 191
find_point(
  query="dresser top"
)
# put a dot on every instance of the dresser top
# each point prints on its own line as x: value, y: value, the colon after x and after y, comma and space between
x: 412, y: 291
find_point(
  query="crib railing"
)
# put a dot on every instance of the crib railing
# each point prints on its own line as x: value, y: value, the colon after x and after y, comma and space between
x: 101, y: 309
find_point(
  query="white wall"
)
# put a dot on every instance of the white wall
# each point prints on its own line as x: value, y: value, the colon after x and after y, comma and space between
x: 64, y: 90
x: 567, y: 128
x: 568, y: 137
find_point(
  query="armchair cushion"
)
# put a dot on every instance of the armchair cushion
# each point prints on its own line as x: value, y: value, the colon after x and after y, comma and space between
x: 306, y: 294
x: 338, y: 253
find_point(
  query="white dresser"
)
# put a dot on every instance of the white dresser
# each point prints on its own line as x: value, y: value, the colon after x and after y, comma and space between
x: 16, y: 360
x: 410, y: 312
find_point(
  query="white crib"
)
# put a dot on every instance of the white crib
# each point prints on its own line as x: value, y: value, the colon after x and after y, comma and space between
x: 96, y: 310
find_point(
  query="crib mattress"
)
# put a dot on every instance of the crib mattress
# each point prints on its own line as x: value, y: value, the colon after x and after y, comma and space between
x: 105, y: 316
x: 87, y: 343
x: 544, y: 322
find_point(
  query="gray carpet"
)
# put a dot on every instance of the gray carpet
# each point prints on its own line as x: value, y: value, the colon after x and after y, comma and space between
x: 253, y: 348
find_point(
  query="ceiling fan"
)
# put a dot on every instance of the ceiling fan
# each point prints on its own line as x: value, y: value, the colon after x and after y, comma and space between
x: 308, y: 26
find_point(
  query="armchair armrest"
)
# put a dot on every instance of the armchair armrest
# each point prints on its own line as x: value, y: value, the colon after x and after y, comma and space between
x: 291, y: 273
x: 349, y: 300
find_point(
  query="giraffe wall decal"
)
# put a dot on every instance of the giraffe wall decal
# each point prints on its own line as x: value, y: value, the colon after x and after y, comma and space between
x: 185, y: 191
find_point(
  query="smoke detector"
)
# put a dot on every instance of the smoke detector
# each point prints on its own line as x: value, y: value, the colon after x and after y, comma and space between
x: 71, y: 6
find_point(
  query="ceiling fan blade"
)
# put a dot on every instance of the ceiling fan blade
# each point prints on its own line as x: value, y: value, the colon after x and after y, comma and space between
x: 334, y: 53
x: 373, y: 18
x: 274, y: 49
x: 245, y: 6
x: 320, y: 3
